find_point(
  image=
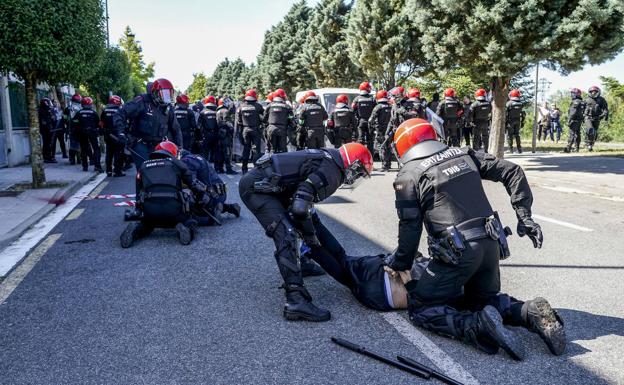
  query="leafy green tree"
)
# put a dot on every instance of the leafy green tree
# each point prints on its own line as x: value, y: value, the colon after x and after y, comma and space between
x: 501, y: 38
x: 112, y: 74
x: 37, y: 47
x: 614, y: 87
x: 380, y: 44
x: 326, y: 48
x: 197, y: 89
x: 140, y: 73
x: 457, y: 79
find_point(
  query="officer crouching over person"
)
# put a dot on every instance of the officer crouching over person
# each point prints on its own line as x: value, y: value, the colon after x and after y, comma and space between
x: 161, y: 200
x: 281, y: 191
x: 459, y: 293
x: 208, y: 208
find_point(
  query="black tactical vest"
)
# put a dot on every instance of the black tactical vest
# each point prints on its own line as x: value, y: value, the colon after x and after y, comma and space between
x: 89, y: 120
x: 343, y: 116
x: 209, y: 120
x: 182, y: 115
x: 577, y: 109
x: 481, y: 111
x: 458, y: 190
x: 413, y: 109
x: 450, y: 109
x: 313, y: 115
x: 161, y: 176
x: 365, y: 105
x: 383, y: 115
x: 593, y: 108
x: 250, y: 116
x: 108, y: 114
x: 514, y: 110
x: 278, y: 114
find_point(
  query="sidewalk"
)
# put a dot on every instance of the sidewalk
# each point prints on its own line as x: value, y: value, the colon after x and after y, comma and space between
x: 21, y: 210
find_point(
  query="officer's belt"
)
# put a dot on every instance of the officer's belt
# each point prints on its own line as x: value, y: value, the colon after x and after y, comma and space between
x: 470, y: 230
x: 149, y: 195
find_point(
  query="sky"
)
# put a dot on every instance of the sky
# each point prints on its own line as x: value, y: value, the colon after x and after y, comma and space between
x: 188, y: 36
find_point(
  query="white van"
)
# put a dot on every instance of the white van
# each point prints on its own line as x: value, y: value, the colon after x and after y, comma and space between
x: 327, y: 96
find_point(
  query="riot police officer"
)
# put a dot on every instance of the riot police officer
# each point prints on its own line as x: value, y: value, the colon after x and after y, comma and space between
x: 278, y: 120
x: 341, y: 125
x: 450, y: 110
x: 47, y: 127
x: 311, y: 118
x: 576, y: 111
x: 161, y: 200
x: 207, y: 211
x: 515, y: 119
x: 378, y: 123
x: 225, y: 123
x: 114, y: 149
x: 281, y: 191
x: 70, y: 121
x: 405, y: 107
x: 209, y: 131
x: 88, y: 129
x: 480, y: 114
x: 185, y: 117
x: 459, y: 295
x: 150, y: 121
x: 466, y: 120
x: 362, y: 106
x: 596, y: 109
x: 249, y: 127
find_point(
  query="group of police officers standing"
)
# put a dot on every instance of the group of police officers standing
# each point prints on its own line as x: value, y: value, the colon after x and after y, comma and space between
x: 455, y: 292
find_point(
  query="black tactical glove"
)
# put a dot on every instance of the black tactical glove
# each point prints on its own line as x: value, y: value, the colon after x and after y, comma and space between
x: 395, y: 264
x: 526, y: 226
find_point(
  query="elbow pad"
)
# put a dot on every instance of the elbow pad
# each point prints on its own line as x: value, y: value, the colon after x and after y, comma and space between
x: 301, y: 205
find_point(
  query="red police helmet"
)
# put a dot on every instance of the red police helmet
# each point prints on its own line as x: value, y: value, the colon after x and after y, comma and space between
x: 413, y: 93
x: 358, y: 162
x: 270, y: 96
x: 162, y: 91
x: 168, y: 146
x: 116, y: 100
x: 449, y: 93
x: 182, y: 99
x: 410, y: 133
x: 342, y: 98
x: 220, y: 102
x: 397, y: 92
x: 280, y: 93
x: 310, y: 95
x: 209, y: 101
x: 576, y: 92
x: 593, y: 91
x: 251, y: 95
x: 514, y: 94
x: 87, y: 101
x: 480, y: 93
x: 76, y: 98
x: 381, y: 94
x: 365, y: 86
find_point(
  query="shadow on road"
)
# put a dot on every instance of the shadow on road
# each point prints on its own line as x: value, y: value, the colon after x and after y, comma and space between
x: 593, y: 327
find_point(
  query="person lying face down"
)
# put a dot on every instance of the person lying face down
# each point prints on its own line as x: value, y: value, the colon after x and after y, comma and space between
x: 372, y: 283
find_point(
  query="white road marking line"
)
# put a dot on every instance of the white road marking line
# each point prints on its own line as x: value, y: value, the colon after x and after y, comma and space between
x: 17, y: 250
x: 562, y: 223
x: 440, y: 359
x: 17, y: 275
x: 98, y: 190
x: 74, y: 214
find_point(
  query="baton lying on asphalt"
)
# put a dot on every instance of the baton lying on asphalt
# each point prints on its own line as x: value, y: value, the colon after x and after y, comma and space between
x: 426, y: 369
x: 389, y: 361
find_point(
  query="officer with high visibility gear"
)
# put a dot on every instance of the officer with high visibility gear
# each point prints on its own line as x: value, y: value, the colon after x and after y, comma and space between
x: 161, y: 200
x: 459, y: 293
x: 281, y: 192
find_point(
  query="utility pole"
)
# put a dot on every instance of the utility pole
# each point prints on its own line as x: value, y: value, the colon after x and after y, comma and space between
x: 544, y: 87
x: 107, y: 28
x: 534, y: 142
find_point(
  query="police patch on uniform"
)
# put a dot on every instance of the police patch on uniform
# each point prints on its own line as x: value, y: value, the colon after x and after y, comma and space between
x: 398, y: 186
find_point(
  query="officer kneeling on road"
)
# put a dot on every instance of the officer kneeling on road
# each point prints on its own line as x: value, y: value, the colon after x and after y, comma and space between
x: 161, y: 201
x: 281, y: 191
x: 459, y: 293
x: 207, y: 209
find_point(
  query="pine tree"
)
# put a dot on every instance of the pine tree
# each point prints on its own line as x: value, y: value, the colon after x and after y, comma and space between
x: 139, y: 71
x: 500, y: 39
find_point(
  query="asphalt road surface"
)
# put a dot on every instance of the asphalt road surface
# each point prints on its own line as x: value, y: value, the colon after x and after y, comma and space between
x: 90, y: 312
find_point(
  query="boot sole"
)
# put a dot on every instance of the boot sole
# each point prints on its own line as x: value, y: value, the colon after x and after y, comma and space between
x: 297, y: 316
x: 184, y: 234
x: 126, y: 238
x: 507, y: 339
x: 549, y: 327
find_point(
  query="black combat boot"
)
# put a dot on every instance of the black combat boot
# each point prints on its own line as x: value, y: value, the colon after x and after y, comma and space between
x: 309, y: 268
x: 486, y: 332
x: 186, y: 231
x: 232, y: 208
x: 542, y: 319
x: 133, y: 231
x: 299, y: 306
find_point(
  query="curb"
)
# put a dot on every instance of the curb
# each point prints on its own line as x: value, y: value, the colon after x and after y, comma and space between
x: 60, y: 196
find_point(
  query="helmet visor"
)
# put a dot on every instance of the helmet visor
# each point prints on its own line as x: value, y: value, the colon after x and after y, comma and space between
x: 166, y: 95
x: 594, y: 93
x: 355, y: 174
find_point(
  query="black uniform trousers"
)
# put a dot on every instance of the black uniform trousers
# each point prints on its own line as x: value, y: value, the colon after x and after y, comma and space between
x: 114, y: 155
x: 89, y: 145
x: 276, y: 139
x: 513, y: 132
x: 591, y: 130
x: 316, y: 138
x: 59, y: 135
x: 342, y: 136
x: 447, y: 295
x: 451, y: 130
x: 574, y: 135
x: 163, y: 213
x: 47, y: 138
x: 251, y: 146
x: 365, y: 136
x: 481, y: 135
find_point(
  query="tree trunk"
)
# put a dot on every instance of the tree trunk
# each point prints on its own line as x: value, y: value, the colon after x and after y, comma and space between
x: 499, y: 114
x: 36, y: 157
